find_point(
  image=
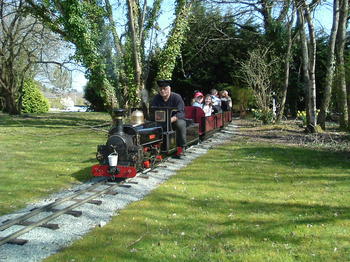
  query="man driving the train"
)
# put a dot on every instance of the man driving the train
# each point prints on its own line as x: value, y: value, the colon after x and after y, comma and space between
x: 166, y: 98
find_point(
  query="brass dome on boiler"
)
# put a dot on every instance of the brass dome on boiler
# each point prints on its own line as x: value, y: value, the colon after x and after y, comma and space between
x: 137, y: 117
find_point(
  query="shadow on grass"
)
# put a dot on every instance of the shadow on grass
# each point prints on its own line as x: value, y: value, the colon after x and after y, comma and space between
x: 209, y: 228
x: 294, y: 156
x: 255, y: 224
x: 53, y: 120
x: 84, y: 174
x: 255, y: 219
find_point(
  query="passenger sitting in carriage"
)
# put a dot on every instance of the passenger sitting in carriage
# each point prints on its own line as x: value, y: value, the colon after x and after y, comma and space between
x: 198, y: 99
x: 215, y: 101
x: 226, y: 101
x: 208, y: 105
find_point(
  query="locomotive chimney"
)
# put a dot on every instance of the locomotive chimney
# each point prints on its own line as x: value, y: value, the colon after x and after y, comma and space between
x: 118, y: 119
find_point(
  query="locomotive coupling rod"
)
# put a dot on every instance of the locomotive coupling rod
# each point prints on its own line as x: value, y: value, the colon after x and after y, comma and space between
x: 54, y: 215
x: 47, y: 207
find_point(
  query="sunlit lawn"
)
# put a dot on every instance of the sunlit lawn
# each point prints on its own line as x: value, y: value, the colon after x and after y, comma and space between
x: 240, y: 202
x: 41, y: 154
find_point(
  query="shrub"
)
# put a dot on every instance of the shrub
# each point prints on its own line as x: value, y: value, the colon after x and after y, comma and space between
x: 242, y: 99
x: 301, y: 115
x: 33, y: 100
x: 258, y: 71
x: 266, y: 117
x: 94, y: 97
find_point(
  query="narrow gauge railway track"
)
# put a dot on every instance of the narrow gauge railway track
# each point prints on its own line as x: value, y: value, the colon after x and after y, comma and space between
x: 43, y: 243
x: 107, y: 188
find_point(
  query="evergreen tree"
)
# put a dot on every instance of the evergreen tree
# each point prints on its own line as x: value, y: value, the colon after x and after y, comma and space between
x: 33, y: 99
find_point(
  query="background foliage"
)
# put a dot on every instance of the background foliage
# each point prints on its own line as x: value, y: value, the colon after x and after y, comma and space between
x: 124, y: 49
x: 33, y: 99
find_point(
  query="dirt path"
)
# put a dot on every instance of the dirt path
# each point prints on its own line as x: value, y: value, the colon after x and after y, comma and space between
x: 290, y: 132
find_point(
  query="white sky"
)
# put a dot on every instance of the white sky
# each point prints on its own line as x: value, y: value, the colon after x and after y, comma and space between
x: 79, y: 81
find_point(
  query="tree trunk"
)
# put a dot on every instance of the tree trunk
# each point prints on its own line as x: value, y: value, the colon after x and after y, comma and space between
x: 10, y: 90
x: 330, y: 67
x: 348, y: 101
x: 266, y: 10
x: 173, y: 46
x: 309, y: 61
x: 340, y: 45
x: 286, y: 69
x: 117, y: 44
x: 11, y: 106
x: 134, y: 32
x: 312, y: 67
x: 304, y: 57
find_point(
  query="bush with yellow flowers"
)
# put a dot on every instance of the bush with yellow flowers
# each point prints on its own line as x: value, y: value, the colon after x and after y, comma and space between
x: 301, y: 115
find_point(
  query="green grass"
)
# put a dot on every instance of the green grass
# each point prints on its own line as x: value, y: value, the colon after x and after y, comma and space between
x: 240, y: 202
x: 40, y: 154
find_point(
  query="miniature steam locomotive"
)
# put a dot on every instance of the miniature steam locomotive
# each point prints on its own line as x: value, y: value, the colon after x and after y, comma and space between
x: 141, y: 144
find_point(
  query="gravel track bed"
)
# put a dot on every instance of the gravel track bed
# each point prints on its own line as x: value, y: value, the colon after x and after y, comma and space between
x: 43, y: 242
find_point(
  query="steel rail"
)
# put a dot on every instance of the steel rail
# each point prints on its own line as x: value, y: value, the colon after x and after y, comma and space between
x: 21, y: 220
x: 56, y: 214
x: 49, y: 206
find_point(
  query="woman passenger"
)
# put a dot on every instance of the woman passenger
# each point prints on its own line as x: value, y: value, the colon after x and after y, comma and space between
x: 226, y: 101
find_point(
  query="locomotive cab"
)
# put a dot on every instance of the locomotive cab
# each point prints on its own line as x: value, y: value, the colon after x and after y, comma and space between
x: 162, y: 116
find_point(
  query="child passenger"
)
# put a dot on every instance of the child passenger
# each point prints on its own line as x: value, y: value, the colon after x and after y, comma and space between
x: 198, y: 99
x: 208, y: 105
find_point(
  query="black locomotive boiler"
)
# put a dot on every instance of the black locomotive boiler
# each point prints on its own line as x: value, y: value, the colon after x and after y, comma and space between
x: 141, y: 144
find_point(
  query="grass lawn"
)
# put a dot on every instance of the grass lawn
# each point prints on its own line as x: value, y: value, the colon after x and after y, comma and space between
x: 40, y: 154
x: 244, y: 201
x: 249, y: 200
